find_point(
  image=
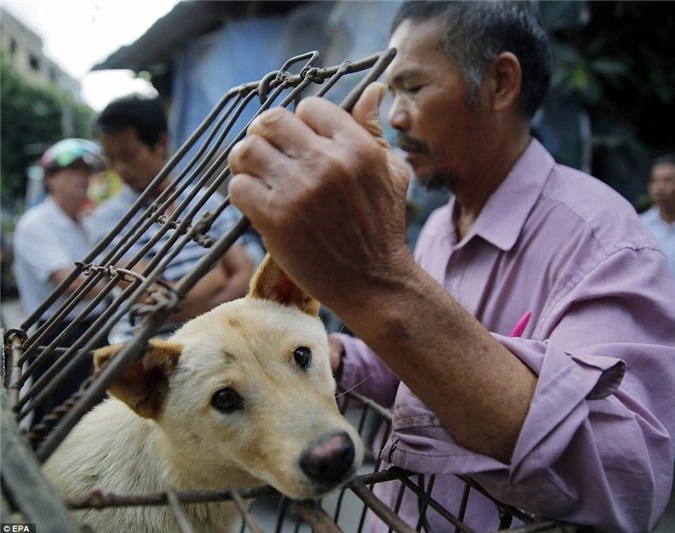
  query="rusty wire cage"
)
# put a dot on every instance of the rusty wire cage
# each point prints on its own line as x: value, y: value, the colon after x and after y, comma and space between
x: 37, y: 345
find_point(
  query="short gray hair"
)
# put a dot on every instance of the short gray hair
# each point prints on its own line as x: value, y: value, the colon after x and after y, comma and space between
x: 476, y: 32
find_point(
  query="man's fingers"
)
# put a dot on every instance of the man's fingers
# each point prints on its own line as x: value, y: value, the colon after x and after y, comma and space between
x: 250, y: 195
x: 254, y: 155
x: 283, y: 130
x: 324, y: 117
x: 294, y: 134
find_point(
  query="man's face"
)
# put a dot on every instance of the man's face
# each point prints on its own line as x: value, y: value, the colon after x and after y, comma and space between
x: 70, y: 182
x: 662, y: 185
x: 439, y: 127
x: 135, y: 162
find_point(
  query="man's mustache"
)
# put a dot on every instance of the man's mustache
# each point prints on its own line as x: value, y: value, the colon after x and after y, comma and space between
x: 410, y: 144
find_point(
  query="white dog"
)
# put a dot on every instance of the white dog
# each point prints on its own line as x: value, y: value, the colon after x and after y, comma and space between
x: 240, y: 396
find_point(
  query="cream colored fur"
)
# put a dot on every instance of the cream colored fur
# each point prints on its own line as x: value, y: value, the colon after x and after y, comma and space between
x: 173, y: 438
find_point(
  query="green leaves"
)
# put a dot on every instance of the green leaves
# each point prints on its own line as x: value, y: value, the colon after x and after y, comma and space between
x: 616, y: 59
x: 31, y: 121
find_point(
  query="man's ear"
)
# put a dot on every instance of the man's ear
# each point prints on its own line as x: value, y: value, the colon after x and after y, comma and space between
x: 272, y: 283
x: 144, y: 384
x: 506, y: 81
x: 162, y: 145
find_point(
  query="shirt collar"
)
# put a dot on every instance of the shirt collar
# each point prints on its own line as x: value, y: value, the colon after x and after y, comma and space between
x: 503, y: 216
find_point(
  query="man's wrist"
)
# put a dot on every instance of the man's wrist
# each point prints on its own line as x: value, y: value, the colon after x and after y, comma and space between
x: 383, y: 303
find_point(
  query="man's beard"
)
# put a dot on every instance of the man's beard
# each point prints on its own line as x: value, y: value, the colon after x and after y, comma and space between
x: 434, y: 180
x: 437, y: 181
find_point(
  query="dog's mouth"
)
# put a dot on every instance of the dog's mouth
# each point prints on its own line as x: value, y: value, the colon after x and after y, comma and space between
x: 321, y: 489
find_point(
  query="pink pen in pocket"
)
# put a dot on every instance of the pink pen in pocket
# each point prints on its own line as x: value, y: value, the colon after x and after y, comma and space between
x: 520, y: 326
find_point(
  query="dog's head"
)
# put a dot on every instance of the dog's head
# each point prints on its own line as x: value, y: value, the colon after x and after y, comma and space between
x: 244, y: 394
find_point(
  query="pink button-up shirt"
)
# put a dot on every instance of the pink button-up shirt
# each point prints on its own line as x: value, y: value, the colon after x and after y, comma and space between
x: 596, y: 447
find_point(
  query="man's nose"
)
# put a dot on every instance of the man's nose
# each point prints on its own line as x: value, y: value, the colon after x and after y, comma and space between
x: 399, y: 116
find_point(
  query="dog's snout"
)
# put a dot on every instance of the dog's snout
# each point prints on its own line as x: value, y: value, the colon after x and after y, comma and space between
x: 329, y: 458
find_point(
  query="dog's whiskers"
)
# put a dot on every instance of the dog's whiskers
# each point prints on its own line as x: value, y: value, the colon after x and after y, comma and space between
x: 352, y: 388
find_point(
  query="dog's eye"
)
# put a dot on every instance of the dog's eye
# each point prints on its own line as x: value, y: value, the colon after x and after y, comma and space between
x: 302, y: 356
x: 227, y: 400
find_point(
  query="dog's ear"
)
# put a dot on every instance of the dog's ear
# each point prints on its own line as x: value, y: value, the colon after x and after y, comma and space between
x: 143, y: 384
x: 272, y: 283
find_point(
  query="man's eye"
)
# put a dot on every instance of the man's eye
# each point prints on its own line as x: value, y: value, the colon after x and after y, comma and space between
x: 413, y: 89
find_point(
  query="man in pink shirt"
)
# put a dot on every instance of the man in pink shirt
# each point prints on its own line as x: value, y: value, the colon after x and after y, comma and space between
x: 570, y: 419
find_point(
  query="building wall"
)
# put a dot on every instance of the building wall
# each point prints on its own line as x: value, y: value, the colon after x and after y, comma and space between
x: 24, y: 49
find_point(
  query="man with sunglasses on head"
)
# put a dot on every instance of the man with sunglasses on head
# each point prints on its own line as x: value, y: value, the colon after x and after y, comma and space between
x: 50, y: 238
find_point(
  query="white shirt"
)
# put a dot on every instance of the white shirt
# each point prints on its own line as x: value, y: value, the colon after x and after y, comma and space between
x: 47, y: 240
x: 664, y: 233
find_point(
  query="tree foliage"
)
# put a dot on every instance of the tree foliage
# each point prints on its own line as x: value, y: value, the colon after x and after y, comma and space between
x: 619, y: 65
x: 31, y: 118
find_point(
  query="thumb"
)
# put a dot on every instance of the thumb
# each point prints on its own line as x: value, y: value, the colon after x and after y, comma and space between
x: 367, y: 110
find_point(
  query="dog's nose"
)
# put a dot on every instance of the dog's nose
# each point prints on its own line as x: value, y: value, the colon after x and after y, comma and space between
x: 329, y: 458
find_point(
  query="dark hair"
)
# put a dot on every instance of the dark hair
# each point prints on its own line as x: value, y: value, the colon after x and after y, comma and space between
x: 144, y: 115
x: 476, y: 32
x: 664, y: 159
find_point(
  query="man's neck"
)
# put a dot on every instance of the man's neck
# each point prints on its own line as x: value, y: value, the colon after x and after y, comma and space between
x: 154, y: 193
x: 69, y: 206
x: 489, y: 174
x: 667, y: 215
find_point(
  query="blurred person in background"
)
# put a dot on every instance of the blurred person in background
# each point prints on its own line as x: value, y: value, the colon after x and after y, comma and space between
x: 660, y: 219
x: 49, y: 238
x: 134, y: 135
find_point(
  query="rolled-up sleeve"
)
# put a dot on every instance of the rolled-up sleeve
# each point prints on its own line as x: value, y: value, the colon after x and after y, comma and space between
x: 364, y: 372
x: 595, y: 447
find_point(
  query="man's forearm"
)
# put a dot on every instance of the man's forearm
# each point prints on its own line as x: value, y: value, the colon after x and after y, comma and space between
x: 475, y: 386
x: 204, y: 296
x: 60, y: 275
x: 212, y: 290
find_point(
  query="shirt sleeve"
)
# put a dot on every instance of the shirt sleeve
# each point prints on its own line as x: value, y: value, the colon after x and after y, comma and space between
x: 38, y: 247
x: 365, y: 373
x: 595, y: 447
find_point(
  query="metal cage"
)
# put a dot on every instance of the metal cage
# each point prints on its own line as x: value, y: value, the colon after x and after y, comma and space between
x: 36, y: 348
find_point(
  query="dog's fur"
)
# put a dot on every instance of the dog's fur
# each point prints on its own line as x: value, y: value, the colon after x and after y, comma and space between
x: 161, y: 432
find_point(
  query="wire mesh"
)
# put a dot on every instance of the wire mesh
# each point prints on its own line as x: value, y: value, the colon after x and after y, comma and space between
x: 38, y: 361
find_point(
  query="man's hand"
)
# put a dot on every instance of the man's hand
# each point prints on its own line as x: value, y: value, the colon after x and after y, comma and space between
x: 327, y: 193
x: 328, y: 196
x: 335, y: 354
